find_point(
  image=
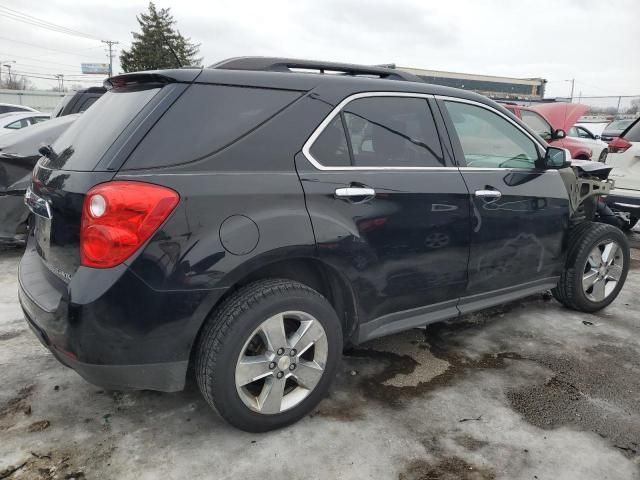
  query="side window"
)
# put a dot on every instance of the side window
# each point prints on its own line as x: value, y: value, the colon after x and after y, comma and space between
x: 536, y: 123
x: 39, y: 119
x: 18, y: 124
x: 582, y: 133
x: 331, y: 148
x: 573, y: 132
x: 490, y: 141
x: 381, y: 132
x: 205, y: 119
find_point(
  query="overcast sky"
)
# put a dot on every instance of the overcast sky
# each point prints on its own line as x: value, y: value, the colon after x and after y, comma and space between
x: 594, y: 41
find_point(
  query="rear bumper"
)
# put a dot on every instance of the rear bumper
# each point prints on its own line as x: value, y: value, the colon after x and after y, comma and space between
x: 110, y: 327
x: 164, y: 377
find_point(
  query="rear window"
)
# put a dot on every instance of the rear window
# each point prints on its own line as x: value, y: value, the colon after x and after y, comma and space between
x: 205, y: 119
x: 618, y: 125
x: 61, y: 104
x: 633, y: 134
x: 81, y: 147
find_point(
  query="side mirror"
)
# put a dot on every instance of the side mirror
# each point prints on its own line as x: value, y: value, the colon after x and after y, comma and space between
x: 596, y: 137
x: 556, y: 158
x: 558, y: 134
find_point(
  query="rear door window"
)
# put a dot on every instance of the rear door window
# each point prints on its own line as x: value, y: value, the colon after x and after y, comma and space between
x: 81, y: 146
x: 380, y: 132
x: 204, y: 120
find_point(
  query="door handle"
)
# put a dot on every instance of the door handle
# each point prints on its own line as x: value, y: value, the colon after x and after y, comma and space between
x: 495, y: 194
x: 355, y: 192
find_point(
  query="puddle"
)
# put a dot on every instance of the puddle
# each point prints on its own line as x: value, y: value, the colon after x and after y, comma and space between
x: 470, y: 443
x: 396, y: 369
x: 17, y: 404
x: 9, y: 335
x: 447, y: 468
x: 582, y: 393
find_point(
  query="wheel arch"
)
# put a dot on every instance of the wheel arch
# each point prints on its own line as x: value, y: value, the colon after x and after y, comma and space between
x: 309, y: 271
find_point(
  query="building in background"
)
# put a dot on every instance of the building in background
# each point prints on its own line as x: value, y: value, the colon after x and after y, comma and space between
x: 497, y: 88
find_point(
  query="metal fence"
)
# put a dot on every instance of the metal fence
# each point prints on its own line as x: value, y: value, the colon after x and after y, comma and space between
x: 610, y: 107
x: 41, y: 100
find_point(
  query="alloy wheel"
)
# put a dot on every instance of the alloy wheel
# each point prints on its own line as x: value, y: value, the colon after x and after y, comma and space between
x: 281, y: 362
x: 602, y: 270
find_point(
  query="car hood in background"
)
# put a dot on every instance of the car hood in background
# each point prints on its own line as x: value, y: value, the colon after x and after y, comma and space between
x: 561, y: 115
x: 26, y: 141
x: 19, y: 152
x: 588, y: 167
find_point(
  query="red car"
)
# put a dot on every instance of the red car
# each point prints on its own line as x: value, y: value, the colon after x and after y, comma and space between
x: 552, y: 121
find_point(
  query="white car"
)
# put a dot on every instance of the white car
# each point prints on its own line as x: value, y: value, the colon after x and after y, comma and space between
x: 10, y: 107
x: 624, y: 157
x: 10, y: 122
x: 594, y: 127
x: 599, y: 148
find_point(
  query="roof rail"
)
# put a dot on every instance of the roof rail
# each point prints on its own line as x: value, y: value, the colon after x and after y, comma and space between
x: 275, y: 64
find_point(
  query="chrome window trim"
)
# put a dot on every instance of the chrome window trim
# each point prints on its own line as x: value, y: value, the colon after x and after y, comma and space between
x: 306, y: 148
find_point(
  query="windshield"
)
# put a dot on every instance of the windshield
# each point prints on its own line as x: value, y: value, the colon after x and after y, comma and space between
x: 81, y: 147
x: 536, y: 123
x: 619, y: 125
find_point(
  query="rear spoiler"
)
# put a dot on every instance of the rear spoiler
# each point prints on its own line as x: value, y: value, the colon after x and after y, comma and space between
x: 159, y: 77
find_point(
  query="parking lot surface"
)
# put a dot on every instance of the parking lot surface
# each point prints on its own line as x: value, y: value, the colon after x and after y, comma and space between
x: 530, y: 390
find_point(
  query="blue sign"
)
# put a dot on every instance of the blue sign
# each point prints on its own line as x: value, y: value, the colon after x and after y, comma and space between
x: 95, y: 68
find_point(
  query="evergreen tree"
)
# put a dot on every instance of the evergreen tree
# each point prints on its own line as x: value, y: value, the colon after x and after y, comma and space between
x: 159, y: 44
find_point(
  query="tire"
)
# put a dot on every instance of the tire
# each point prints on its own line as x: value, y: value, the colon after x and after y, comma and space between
x: 246, y: 323
x: 581, y: 269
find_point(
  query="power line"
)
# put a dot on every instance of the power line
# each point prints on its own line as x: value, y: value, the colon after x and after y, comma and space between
x: 31, y: 20
x: 46, y: 48
x: 78, y: 77
x: 38, y: 59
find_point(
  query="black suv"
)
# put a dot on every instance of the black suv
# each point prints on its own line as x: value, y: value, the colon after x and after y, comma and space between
x: 249, y: 220
x: 77, y: 101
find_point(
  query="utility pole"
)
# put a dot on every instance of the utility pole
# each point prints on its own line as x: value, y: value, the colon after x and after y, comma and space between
x: 573, y: 84
x: 60, y: 78
x: 8, y: 65
x: 110, y: 44
x: 2, y: 62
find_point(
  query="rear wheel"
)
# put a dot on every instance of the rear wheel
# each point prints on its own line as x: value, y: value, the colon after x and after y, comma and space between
x: 268, y: 355
x: 596, y: 268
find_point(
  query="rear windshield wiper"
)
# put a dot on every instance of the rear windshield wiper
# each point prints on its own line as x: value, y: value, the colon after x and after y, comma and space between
x: 48, y: 151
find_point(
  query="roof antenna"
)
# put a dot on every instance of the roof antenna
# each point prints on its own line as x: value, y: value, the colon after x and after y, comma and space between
x: 171, y: 48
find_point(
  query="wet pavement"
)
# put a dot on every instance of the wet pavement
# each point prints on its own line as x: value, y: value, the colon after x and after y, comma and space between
x: 529, y: 390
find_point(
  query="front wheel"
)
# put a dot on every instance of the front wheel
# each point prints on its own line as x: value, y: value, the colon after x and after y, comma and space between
x: 596, y: 268
x: 268, y: 354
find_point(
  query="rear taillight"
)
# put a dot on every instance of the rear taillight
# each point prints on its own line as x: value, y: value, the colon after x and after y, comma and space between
x: 619, y: 145
x: 118, y: 217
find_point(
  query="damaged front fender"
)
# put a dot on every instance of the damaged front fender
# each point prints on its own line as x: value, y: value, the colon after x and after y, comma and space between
x: 586, y: 180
